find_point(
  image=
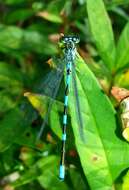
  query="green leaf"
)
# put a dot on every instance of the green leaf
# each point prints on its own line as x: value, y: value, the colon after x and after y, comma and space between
x: 7, y: 103
x: 29, y: 136
x: 11, y: 128
x: 117, y: 2
x: 122, y: 79
x: 13, y: 2
x: 36, y: 42
x: 122, y: 58
x: 14, y: 39
x: 100, y: 147
x: 77, y: 179
x: 37, y: 6
x: 119, y: 11
x: 10, y: 37
x: 15, y: 74
x: 7, y: 160
x: 101, y: 30
x: 13, y: 80
x: 50, y: 16
x: 18, y: 15
x: 52, y: 11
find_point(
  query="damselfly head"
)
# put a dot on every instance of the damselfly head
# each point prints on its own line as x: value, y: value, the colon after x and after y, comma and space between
x: 68, y: 39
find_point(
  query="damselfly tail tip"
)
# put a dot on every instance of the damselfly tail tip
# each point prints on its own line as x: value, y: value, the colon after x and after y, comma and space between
x: 61, y: 172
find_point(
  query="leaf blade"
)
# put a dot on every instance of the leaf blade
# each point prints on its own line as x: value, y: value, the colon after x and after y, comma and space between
x: 122, y: 58
x: 11, y: 127
x: 99, y: 152
x: 102, y: 31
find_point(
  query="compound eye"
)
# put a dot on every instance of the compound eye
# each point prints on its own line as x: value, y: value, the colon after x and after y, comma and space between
x: 76, y: 39
x: 66, y: 39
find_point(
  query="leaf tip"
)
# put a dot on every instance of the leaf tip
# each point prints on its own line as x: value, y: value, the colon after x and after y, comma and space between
x: 26, y: 94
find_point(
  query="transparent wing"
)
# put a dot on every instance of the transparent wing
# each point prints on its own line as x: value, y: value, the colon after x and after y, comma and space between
x: 50, y: 88
x: 48, y: 83
x: 77, y: 102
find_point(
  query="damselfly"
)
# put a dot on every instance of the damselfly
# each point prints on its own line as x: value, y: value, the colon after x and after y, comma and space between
x: 69, y: 44
x: 70, y: 53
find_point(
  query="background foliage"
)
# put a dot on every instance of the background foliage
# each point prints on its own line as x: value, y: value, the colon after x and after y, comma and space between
x: 29, y: 35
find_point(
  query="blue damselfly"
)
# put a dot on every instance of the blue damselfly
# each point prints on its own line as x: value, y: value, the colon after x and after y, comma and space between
x: 70, y: 53
x: 69, y: 49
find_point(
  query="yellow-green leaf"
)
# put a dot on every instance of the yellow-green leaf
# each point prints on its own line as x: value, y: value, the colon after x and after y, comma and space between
x: 125, y: 185
x: 41, y: 103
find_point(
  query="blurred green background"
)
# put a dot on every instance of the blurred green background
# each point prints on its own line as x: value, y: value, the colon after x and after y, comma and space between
x: 29, y: 36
